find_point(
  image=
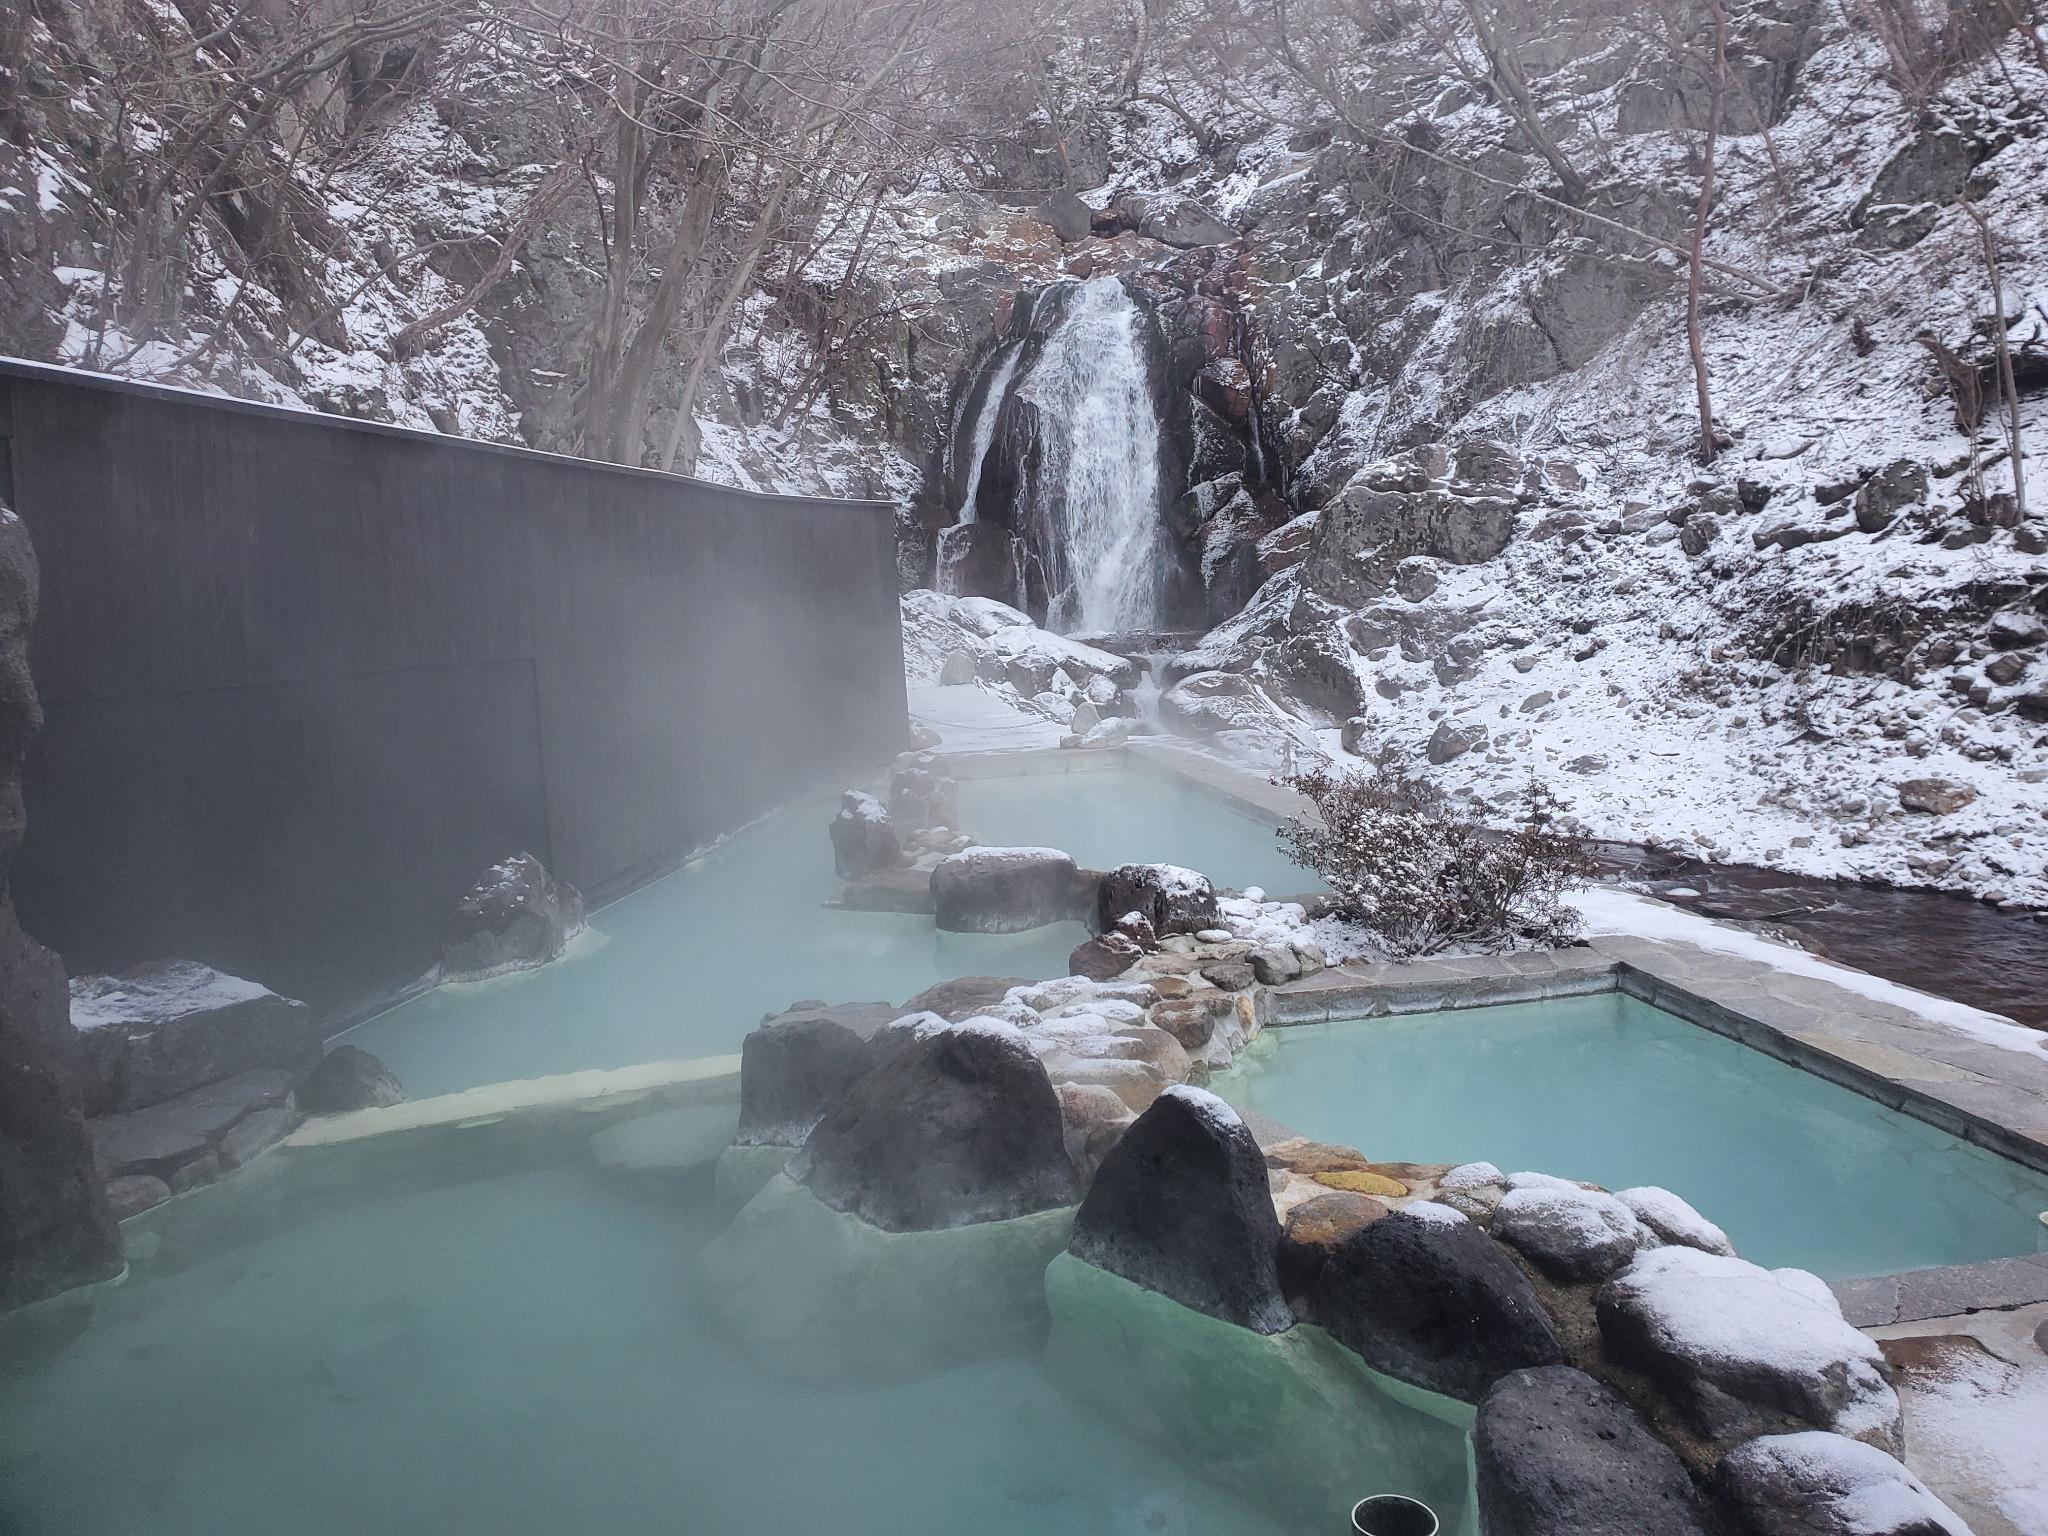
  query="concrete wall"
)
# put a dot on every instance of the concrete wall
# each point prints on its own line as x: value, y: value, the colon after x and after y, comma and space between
x: 305, y: 677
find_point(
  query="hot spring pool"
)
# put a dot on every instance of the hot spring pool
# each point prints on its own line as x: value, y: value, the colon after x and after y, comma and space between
x: 687, y: 965
x: 522, y: 1354
x: 1797, y: 1170
x: 1112, y: 816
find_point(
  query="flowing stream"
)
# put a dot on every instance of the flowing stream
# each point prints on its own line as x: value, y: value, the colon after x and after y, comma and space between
x: 1094, y: 395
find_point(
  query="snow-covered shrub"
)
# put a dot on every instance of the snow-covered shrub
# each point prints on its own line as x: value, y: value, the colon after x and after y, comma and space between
x: 1404, y: 862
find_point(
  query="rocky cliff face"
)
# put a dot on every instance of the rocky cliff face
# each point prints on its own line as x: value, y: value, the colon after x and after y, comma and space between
x: 55, y: 1229
x: 1430, y: 419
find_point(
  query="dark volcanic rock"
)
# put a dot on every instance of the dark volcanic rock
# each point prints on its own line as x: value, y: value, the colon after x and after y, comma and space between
x: 163, y: 1138
x: 794, y: 1065
x: 349, y: 1078
x: 921, y: 794
x: 1230, y: 975
x: 55, y: 1228
x: 1558, y: 1454
x: 957, y: 1126
x: 1003, y: 890
x: 1106, y: 955
x: 165, y: 1028
x: 964, y: 996
x: 516, y: 917
x: 1171, y: 899
x: 1816, y: 1484
x: 1183, y: 1206
x: 863, y: 837
x: 1434, y: 1302
x: 1317, y: 1228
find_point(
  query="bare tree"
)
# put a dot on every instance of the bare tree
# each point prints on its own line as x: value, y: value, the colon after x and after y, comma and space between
x: 1717, y: 96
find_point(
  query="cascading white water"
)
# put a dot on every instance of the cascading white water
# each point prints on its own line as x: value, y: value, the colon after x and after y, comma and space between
x: 1101, y: 436
x: 984, y: 432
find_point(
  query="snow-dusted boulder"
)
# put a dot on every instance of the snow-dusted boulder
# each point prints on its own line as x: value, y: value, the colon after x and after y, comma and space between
x: 863, y: 837
x: 1182, y: 1206
x: 1745, y: 1350
x: 986, y: 617
x: 1430, y: 1299
x: 515, y: 918
x: 1004, y: 890
x: 1674, y: 1220
x: 1170, y: 898
x: 1811, y: 1483
x: 1106, y: 955
x: 1570, y: 1234
x: 163, y: 1029
x: 1031, y: 657
x: 1558, y: 1454
x: 955, y: 1126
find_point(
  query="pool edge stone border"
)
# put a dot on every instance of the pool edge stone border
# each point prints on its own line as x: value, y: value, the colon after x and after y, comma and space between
x: 1878, y: 1050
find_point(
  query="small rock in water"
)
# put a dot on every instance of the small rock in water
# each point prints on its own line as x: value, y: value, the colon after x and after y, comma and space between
x: 517, y: 917
x: 133, y: 1193
x: 863, y: 837
x: 349, y: 1078
x: 1004, y: 890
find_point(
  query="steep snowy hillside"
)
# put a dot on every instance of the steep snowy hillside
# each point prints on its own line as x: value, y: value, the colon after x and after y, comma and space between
x: 1415, y: 286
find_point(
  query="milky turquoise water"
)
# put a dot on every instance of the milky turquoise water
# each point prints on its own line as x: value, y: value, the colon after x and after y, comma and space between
x: 526, y: 1356
x: 687, y: 965
x: 1115, y: 816
x: 1795, y: 1169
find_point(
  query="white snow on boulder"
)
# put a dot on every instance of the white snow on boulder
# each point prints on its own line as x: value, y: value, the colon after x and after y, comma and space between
x: 155, y: 995
x: 1835, y: 1484
x: 1739, y: 1344
x: 1674, y: 1220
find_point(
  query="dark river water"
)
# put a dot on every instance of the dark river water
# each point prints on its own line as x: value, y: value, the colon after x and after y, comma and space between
x: 1948, y: 945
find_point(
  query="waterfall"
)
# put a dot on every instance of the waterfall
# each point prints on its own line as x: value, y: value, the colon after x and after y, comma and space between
x: 984, y: 431
x: 1094, y: 397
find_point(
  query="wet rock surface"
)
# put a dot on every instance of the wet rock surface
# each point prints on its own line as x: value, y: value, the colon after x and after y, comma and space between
x: 1433, y: 1301
x: 1005, y: 890
x: 1169, y: 898
x: 958, y: 1125
x: 349, y: 1078
x: 1558, y: 1454
x: 165, y: 1028
x: 1315, y: 1229
x: 1182, y: 1207
x: 863, y: 837
x: 794, y: 1065
x: 516, y: 917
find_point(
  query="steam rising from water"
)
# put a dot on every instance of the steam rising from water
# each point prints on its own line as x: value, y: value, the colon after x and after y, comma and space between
x: 1102, y: 454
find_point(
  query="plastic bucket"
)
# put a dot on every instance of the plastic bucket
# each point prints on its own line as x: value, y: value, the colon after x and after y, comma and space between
x: 1392, y: 1514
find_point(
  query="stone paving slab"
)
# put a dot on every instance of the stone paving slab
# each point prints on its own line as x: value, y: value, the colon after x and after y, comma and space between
x: 1947, y: 1290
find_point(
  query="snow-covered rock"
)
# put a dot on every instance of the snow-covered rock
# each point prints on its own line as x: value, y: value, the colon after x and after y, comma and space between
x: 1746, y: 1350
x: 1811, y: 1483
